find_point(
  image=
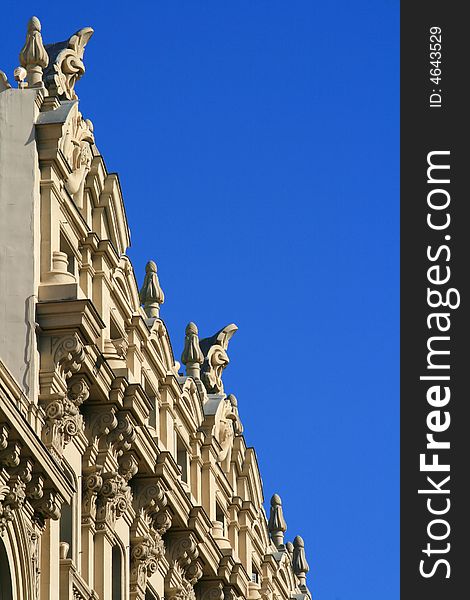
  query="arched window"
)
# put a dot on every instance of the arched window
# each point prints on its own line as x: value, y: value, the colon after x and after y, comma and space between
x: 6, y: 592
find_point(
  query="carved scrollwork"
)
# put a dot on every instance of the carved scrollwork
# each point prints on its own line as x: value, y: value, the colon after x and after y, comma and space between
x: 122, y: 436
x: 63, y: 419
x: 66, y: 64
x: 106, y: 496
x: 185, y: 569
x: 69, y: 355
x: 145, y: 554
x: 15, y: 476
x: 48, y: 506
x: 216, y: 358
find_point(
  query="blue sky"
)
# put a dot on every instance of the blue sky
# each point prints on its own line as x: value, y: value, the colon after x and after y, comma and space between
x: 257, y: 147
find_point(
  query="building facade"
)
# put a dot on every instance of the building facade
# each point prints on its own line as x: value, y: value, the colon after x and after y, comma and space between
x: 121, y: 478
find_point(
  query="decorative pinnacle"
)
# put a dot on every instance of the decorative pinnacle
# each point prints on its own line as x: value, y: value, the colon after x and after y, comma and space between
x: 299, y: 562
x: 192, y: 355
x: 151, y: 294
x: 277, y: 524
x: 33, y: 55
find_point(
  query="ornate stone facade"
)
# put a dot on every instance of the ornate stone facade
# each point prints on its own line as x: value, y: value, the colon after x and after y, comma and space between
x: 120, y: 477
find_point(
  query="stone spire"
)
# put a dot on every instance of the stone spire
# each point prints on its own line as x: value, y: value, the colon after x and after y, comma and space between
x: 299, y: 562
x: 277, y: 525
x: 192, y: 356
x: 33, y: 56
x: 151, y: 294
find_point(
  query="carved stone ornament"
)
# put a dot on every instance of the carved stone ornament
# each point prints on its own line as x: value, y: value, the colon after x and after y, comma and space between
x: 48, y: 506
x: 145, y: 554
x: 33, y: 55
x: 76, y: 144
x: 13, y: 487
x: 152, y: 505
x: 277, y: 525
x: 210, y: 590
x: 66, y: 64
x: 107, y: 496
x: 147, y: 548
x: 151, y: 294
x: 63, y: 419
x: 185, y: 569
x: 68, y: 355
x: 216, y: 358
x: 228, y: 426
x: 106, y: 492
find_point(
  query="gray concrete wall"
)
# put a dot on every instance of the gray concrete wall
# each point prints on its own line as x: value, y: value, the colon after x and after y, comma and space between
x: 19, y: 236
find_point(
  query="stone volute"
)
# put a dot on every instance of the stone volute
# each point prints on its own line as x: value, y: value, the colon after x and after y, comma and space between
x: 277, y: 525
x: 192, y: 356
x: 33, y: 55
x: 151, y: 294
x: 299, y: 561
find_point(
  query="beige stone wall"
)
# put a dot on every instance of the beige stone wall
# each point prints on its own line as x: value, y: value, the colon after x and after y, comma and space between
x: 120, y: 478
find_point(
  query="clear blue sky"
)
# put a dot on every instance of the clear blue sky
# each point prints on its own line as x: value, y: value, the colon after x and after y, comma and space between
x: 257, y: 146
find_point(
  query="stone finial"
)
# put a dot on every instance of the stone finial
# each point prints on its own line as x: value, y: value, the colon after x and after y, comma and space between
x: 67, y: 65
x: 192, y: 356
x: 151, y: 294
x: 33, y: 55
x: 299, y: 562
x: 216, y: 358
x: 277, y: 525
